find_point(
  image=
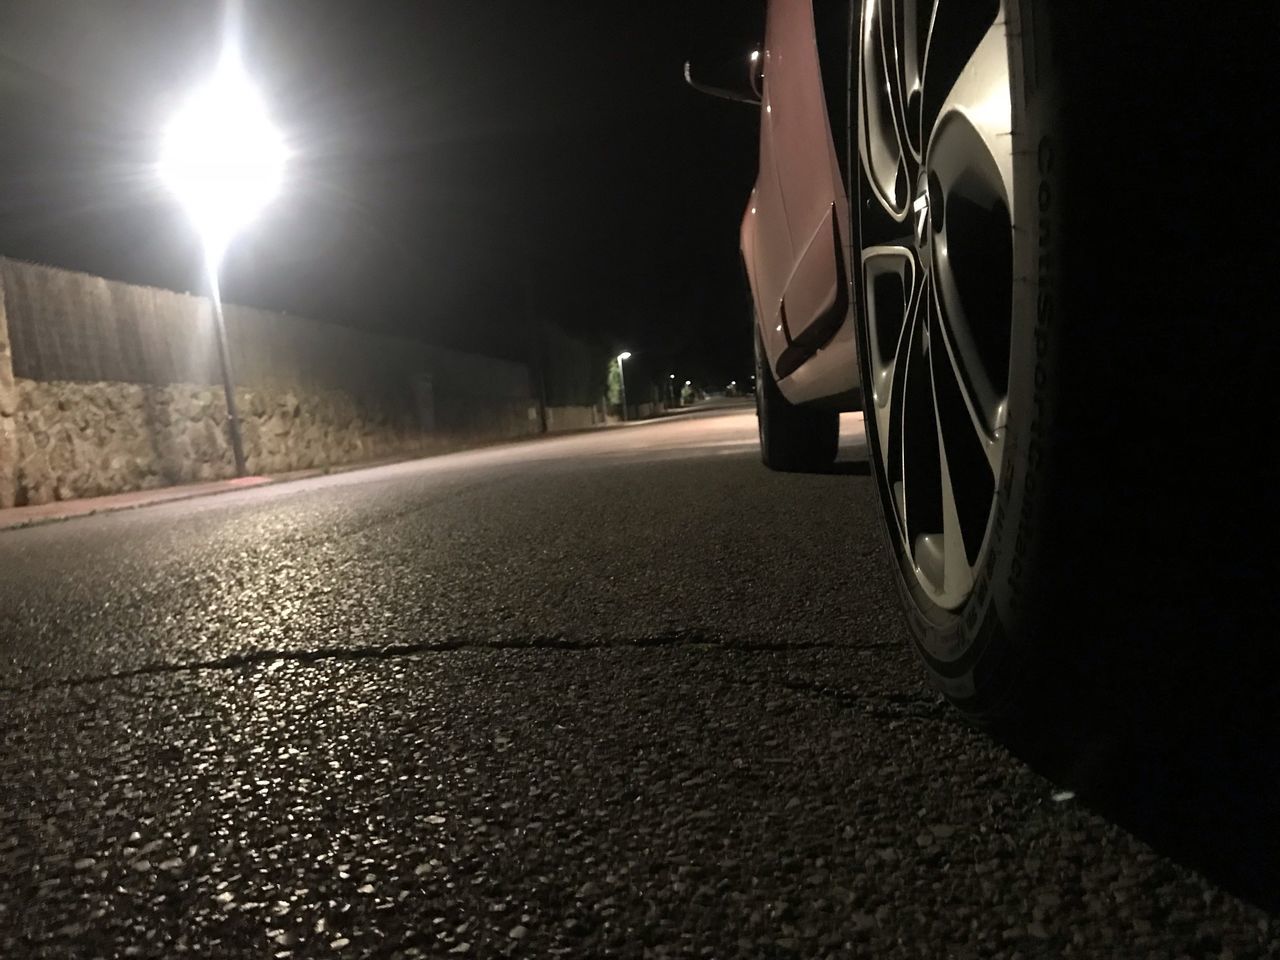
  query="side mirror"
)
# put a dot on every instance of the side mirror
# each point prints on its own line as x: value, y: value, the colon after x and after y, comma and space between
x: 736, y: 76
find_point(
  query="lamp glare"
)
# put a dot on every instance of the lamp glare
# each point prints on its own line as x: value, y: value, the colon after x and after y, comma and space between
x: 222, y: 157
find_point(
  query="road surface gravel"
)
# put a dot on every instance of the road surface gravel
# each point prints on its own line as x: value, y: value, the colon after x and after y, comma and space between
x: 617, y: 694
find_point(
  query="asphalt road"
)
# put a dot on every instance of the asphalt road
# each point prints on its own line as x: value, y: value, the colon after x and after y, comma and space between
x: 616, y: 694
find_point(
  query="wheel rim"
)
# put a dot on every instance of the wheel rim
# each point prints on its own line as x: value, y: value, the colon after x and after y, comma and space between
x: 935, y: 221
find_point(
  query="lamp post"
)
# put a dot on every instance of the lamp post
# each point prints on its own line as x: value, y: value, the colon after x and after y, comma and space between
x: 224, y: 161
x: 622, y: 381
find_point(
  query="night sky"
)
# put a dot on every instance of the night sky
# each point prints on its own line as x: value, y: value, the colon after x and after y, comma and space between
x: 446, y: 158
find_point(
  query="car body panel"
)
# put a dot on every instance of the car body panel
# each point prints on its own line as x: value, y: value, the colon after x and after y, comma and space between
x: 795, y: 232
x: 767, y: 250
x: 817, y: 294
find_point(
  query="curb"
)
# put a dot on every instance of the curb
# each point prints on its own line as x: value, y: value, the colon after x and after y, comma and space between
x: 18, y: 518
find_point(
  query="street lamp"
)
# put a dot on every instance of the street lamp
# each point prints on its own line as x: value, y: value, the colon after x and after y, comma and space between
x: 622, y: 381
x: 224, y: 161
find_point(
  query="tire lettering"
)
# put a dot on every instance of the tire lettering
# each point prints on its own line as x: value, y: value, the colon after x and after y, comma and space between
x: 1044, y: 156
x: 1044, y: 311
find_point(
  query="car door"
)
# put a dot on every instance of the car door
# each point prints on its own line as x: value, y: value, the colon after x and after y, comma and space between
x: 814, y: 294
x: 766, y: 244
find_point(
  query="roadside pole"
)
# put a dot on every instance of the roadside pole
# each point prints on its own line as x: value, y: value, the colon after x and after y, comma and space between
x: 228, y: 380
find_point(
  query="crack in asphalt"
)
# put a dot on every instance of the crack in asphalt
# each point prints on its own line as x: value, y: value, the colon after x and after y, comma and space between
x: 250, y: 658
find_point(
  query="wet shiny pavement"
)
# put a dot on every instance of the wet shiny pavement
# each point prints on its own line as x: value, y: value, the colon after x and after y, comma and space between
x: 618, y: 694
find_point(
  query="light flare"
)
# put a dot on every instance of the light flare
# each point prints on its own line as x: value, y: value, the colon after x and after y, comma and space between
x: 222, y: 156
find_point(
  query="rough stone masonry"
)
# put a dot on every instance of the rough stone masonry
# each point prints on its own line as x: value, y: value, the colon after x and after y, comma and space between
x: 8, y: 408
x: 107, y: 387
x: 89, y: 439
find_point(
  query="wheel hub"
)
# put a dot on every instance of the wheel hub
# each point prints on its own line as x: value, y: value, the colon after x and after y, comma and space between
x: 926, y: 212
x: 920, y: 215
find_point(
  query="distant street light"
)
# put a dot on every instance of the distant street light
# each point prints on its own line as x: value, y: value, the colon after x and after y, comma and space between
x: 224, y: 161
x: 622, y: 381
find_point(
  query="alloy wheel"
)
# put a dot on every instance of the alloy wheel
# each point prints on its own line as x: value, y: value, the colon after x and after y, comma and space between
x: 935, y: 217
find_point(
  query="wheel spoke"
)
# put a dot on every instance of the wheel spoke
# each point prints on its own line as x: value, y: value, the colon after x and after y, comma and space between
x: 956, y: 578
x: 968, y: 102
x: 916, y: 421
x: 890, y: 281
x: 941, y: 557
x: 970, y: 162
x: 911, y: 28
x: 969, y: 463
x: 879, y: 139
x: 988, y: 432
x: 894, y: 418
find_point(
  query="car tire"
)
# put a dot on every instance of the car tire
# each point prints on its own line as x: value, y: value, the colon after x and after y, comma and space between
x: 793, y: 438
x: 1040, y: 561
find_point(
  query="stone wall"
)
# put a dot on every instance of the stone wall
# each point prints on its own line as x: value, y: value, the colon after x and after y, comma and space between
x: 89, y: 439
x: 107, y: 387
x: 8, y: 408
